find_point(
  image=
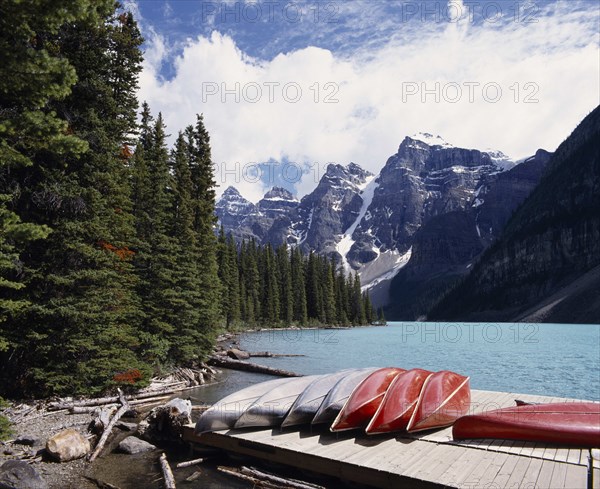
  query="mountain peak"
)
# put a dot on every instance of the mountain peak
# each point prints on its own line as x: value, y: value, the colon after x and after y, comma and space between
x: 430, y: 140
x: 279, y: 193
x: 231, y: 192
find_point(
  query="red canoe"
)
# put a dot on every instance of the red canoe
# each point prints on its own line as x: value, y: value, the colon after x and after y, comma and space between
x: 566, y: 423
x: 396, y: 408
x: 364, y: 401
x: 445, y: 397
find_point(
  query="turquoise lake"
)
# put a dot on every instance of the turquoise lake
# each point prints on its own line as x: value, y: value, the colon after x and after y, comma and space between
x: 560, y: 360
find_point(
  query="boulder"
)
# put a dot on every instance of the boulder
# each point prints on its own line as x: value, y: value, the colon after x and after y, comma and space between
x: 18, y: 474
x: 67, y: 445
x: 238, y: 354
x: 132, y: 445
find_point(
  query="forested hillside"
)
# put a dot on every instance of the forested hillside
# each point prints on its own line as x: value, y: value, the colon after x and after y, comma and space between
x: 551, y: 242
x: 110, y: 267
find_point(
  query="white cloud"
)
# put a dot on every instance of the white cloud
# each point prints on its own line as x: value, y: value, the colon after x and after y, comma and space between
x: 554, y: 61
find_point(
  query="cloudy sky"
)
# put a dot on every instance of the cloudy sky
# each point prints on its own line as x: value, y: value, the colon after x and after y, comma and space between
x: 296, y: 85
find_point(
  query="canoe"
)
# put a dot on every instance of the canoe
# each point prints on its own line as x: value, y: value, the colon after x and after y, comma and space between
x: 565, y: 423
x: 445, y: 397
x: 339, y: 394
x: 399, y: 402
x: 308, y: 403
x: 271, y: 408
x: 364, y: 401
x: 224, y: 414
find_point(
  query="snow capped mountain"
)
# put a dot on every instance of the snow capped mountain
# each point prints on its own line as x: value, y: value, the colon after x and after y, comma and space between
x: 330, y: 208
x: 369, y: 222
x: 232, y: 208
x: 431, y: 140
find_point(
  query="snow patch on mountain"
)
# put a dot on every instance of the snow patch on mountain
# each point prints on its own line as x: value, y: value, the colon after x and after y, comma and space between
x: 431, y: 140
x: 385, y: 267
x: 345, y: 243
x: 500, y: 159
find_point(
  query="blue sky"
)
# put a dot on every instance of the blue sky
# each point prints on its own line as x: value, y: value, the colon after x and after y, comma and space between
x: 313, y: 82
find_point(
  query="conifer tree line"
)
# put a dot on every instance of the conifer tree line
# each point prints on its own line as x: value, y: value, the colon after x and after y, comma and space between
x: 110, y: 267
x: 270, y: 287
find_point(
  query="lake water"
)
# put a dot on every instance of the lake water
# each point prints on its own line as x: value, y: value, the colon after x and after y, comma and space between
x: 547, y: 359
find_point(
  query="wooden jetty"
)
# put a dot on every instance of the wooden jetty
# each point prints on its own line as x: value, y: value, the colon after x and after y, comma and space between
x: 421, y: 460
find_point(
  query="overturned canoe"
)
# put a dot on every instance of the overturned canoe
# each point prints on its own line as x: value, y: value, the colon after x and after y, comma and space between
x: 339, y: 394
x: 271, y: 408
x: 224, y: 414
x: 445, y: 397
x: 565, y: 423
x: 308, y: 403
x: 364, y: 401
x: 399, y: 402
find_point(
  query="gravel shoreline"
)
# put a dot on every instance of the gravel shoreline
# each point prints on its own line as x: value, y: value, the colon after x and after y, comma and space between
x: 36, y: 428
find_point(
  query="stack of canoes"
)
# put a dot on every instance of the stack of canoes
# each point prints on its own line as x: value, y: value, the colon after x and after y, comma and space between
x: 376, y: 400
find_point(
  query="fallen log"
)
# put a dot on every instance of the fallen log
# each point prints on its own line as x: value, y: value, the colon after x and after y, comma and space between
x: 88, y: 409
x: 268, y: 354
x: 292, y: 483
x: 189, y: 463
x: 224, y: 362
x: 167, y: 473
x: 107, y: 431
x: 253, y: 480
x: 101, y: 401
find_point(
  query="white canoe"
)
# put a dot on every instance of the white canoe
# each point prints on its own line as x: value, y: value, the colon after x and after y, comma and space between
x: 224, y: 414
x: 271, y: 408
x: 308, y: 403
x: 339, y: 394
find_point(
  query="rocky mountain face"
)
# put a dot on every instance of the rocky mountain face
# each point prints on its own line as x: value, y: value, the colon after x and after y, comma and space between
x: 445, y: 247
x: 266, y: 222
x: 373, y: 224
x: 547, y: 259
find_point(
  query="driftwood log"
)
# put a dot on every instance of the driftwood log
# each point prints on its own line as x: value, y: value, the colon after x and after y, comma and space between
x: 221, y: 361
x: 167, y: 472
x: 285, y: 482
x: 108, y: 429
x: 268, y: 354
x: 189, y: 463
x: 266, y: 481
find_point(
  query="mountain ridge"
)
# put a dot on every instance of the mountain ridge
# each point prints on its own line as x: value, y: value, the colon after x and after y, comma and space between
x: 551, y: 241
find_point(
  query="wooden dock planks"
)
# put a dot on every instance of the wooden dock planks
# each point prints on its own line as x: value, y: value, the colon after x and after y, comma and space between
x: 422, y: 460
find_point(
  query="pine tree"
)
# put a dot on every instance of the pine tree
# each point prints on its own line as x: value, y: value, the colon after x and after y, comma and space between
x: 381, y: 318
x: 329, y: 299
x: 270, y: 287
x: 82, y: 330
x: 203, y: 201
x: 369, y: 312
x: 157, y: 253
x: 300, y: 313
x: 32, y: 73
x: 314, y: 295
x: 228, y: 274
x: 186, y: 317
x: 358, y: 310
x: 234, y: 312
x: 285, y: 284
